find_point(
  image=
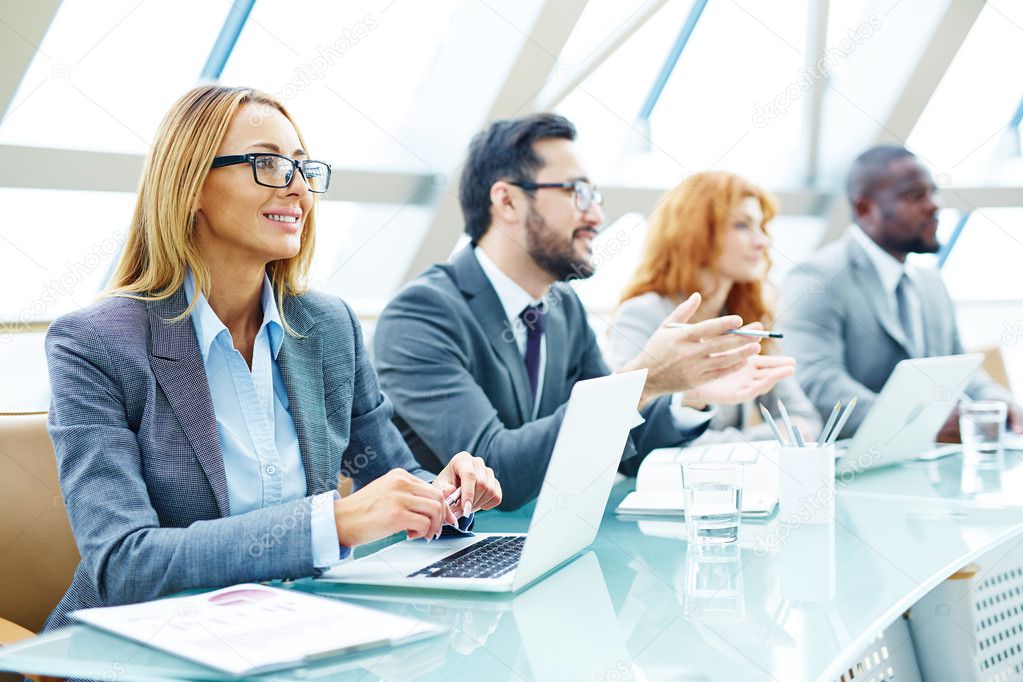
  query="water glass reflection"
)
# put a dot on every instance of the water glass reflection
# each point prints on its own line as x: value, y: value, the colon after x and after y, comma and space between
x: 713, y: 591
x: 981, y: 479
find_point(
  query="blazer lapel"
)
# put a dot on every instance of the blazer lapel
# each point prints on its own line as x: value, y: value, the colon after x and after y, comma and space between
x: 178, y: 368
x: 556, y: 338
x: 871, y: 288
x: 301, y: 365
x: 486, y: 308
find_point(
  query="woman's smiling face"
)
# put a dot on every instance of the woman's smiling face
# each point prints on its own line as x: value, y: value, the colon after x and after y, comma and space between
x: 236, y: 213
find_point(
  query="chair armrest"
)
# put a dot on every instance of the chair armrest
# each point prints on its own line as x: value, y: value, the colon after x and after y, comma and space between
x: 11, y: 633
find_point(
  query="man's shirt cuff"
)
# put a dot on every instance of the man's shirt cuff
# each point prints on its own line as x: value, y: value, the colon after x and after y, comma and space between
x: 687, y: 419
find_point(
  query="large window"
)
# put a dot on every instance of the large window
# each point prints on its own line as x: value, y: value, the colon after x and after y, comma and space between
x: 399, y: 87
x: 964, y: 131
x: 105, y: 73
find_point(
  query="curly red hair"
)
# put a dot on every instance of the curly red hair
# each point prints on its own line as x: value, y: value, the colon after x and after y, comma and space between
x: 685, y: 236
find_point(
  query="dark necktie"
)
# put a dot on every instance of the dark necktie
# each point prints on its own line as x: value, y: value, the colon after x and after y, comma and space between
x: 532, y: 318
x: 905, y: 315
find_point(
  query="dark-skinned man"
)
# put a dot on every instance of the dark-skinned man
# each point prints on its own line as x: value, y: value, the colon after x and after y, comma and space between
x: 856, y: 308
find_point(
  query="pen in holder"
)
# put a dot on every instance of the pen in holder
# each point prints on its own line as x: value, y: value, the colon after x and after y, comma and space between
x: 806, y: 477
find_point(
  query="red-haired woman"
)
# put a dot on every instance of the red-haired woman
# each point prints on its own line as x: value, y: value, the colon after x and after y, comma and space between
x: 708, y: 235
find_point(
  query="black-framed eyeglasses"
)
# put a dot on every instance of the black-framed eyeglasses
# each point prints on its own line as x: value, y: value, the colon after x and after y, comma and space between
x: 586, y: 195
x: 277, y: 170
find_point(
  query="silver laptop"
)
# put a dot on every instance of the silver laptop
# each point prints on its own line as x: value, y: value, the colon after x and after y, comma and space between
x: 593, y: 433
x: 908, y: 413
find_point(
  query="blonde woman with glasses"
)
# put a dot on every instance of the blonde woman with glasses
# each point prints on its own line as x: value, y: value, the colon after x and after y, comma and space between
x: 206, y: 409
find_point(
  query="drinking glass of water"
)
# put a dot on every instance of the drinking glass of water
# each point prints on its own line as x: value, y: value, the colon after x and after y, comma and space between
x: 713, y: 501
x: 981, y: 427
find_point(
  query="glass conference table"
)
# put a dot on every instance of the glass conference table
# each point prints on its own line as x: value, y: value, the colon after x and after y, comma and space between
x: 787, y: 604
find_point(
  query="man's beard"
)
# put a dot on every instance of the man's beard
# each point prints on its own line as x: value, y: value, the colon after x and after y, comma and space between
x: 920, y: 245
x: 555, y: 255
x: 913, y: 243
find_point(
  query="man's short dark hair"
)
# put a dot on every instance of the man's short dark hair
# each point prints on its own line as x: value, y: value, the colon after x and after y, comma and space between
x: 869, y: 169
x: 504, y: 151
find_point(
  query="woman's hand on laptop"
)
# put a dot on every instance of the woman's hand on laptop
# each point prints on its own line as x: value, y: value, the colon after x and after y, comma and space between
x: 395, y: 502
x: 476, y: 482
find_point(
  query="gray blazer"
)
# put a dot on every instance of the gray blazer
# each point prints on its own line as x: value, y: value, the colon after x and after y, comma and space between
x: 447, y: 357
x: 635, y: 322
x: 847, y: 339
x: 139, y: 458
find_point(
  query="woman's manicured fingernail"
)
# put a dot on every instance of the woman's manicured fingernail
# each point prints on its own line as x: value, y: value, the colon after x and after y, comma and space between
x: 467, y: 509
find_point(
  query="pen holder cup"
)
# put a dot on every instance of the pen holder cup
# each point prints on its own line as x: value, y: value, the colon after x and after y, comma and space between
x: 806, y: 484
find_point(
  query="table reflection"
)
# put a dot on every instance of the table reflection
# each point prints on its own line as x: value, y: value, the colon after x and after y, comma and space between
x: 485, y: 625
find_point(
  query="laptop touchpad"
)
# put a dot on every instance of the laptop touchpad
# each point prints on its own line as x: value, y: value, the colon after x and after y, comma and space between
x: 420, y: 552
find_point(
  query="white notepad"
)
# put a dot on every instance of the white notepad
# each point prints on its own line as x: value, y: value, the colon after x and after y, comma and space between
x: 251, y: 628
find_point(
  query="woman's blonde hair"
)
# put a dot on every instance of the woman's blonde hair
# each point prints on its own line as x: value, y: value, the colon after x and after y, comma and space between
x: 161, y: 243
x: 686, y: 235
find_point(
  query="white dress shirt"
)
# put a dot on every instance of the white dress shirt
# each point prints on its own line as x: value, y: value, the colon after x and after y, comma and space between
x: 889, y: 271
x: 514, y: 299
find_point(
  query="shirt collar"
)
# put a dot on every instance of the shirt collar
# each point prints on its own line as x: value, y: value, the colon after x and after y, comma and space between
x: 208, y: 326
x: 513, y: 298
x: 888, y: 268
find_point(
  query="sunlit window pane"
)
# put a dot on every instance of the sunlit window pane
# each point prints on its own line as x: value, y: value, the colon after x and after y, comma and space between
x: 963, y: 133
x: 105, y: 73
x: 57, y: 248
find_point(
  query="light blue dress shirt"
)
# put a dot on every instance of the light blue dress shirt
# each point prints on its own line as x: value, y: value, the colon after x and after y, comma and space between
x: 258, y: 441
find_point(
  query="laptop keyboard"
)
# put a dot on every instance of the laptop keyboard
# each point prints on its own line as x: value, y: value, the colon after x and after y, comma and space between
x: 491, y: 557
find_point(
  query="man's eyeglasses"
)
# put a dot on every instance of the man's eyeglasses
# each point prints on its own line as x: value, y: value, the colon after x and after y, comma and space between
x: 277, y: 170
x: 586, y: 195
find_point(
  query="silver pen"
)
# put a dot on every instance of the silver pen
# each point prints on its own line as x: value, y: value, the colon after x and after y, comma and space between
x: 769, y: 420
x: 738, y: 332
x: 797, y: 439
x: 831, y: 422
x: 765, y: 334
x: 841, y: 423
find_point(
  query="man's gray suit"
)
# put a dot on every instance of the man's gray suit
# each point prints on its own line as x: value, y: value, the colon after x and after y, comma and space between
x: 846, y: 337
x: 447, y: 358
x: 139, y: 458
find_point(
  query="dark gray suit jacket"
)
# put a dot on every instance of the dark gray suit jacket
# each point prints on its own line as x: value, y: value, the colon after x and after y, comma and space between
x: 139, y: 456
x: 447, y: 358
x: 840, y: 326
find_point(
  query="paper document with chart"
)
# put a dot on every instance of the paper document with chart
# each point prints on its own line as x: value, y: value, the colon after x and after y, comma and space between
x: 251, y: 628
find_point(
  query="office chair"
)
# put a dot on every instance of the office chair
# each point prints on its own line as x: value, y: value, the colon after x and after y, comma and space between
x: 38, y: 554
